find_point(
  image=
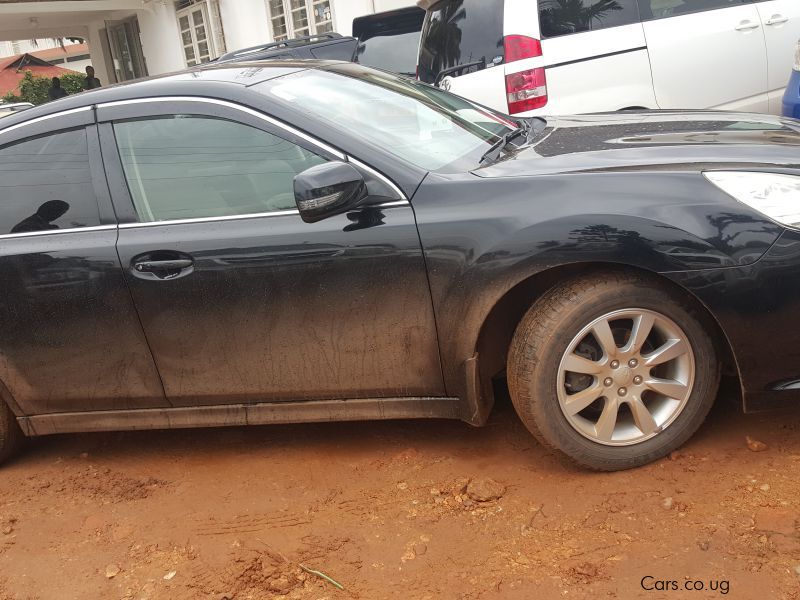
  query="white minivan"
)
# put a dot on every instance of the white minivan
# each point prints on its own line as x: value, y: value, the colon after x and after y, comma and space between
x: 532, y: 57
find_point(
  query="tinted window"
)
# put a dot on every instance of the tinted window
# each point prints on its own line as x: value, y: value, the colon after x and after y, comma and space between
x: 396, y: 53
x: 662, y: 9
x: 186, y: 167
x: 390, y: 41
x: 557, y: 17
x: 343, y: 50
x: 46, y: 184
x: 459, y: 32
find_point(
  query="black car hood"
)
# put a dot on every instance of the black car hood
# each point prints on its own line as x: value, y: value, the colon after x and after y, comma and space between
x: 654, y: 140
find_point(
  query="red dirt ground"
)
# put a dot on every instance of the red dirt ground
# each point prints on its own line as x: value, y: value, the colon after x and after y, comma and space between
x: 381, y: 508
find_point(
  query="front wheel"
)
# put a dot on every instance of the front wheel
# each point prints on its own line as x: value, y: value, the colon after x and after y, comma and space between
x: 614, y: 371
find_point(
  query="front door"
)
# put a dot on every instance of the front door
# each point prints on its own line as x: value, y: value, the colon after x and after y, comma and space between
x: 781, y: 21
x: 242, y: 301
x: 71, y: 340
x: 708, y: 54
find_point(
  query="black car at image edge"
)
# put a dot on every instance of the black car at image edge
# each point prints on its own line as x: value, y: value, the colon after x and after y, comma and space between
x: 319, y: 241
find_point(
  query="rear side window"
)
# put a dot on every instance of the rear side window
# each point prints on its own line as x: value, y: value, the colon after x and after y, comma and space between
x: 663, y: 9
x: 460, y: 32
x: 557, y: 17
x: 46, y: 184
x: 188, y: 167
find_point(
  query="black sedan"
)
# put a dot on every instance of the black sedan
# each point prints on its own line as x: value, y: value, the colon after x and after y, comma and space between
x: 294, y: 242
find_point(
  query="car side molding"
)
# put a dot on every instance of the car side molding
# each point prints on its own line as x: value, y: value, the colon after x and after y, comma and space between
x: 311, y: 411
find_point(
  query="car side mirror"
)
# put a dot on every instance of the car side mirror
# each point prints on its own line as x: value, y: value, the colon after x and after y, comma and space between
x: 328, y: 189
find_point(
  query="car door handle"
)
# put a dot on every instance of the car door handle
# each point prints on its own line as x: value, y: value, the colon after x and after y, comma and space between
x: 745, y: 25
x: 776, y: 20
x: 155, y: 266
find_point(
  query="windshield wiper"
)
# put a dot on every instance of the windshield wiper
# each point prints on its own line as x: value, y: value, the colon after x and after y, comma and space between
x: 496, y: 149
x: 531, y: 127
x: 481, y: 64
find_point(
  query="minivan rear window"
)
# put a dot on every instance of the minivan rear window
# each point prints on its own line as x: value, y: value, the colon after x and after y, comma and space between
x: 557, y: 17
x: 458, y: 33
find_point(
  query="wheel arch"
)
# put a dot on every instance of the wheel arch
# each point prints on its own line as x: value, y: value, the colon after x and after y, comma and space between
x: 497, y: 329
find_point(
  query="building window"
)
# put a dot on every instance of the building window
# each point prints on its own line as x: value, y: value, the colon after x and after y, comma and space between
x: 201, y: 31
x: 295, y: 18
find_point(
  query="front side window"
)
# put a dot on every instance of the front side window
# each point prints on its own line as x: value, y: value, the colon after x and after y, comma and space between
x: 557, y: 17
x: 663, y: 9
x: 296, y: 18
x: 46, y: 184
x: 457, y: 33
x: 418, y: 123
x: 188, y: 167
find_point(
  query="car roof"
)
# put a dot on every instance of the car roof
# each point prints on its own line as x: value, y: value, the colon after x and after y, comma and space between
x: 243, y: 74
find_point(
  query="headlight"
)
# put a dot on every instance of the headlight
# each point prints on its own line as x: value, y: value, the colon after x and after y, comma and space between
x: 774, y: 195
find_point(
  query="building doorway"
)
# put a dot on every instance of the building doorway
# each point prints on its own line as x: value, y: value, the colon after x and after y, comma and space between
x: 126, y: 49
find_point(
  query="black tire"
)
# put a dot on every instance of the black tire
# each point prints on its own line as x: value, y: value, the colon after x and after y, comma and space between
x: 10, y: 434
x: 553, y: 322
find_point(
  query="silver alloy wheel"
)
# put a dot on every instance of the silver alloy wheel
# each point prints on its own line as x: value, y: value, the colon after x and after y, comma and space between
x: 632, y: 358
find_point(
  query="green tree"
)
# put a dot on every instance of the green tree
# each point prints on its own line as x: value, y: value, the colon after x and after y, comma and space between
x: 34, y: 88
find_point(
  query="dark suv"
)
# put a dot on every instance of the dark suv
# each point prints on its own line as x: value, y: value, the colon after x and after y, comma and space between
x: 324, y: 46
x: 388, y: 41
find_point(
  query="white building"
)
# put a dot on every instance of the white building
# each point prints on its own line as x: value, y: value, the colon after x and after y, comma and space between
x: 134, y: 38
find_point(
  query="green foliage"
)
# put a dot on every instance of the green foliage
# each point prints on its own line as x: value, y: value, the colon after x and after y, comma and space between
x: 34, y: 89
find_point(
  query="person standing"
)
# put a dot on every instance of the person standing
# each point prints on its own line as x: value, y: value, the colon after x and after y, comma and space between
x: 56, y: 91
x: 91, y: 82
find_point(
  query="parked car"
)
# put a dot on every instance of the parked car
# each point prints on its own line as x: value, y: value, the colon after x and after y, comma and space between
x: 389, y: 40
x: 9, y: 108
x: 322, y: 46
x: 791, y: 98
x: 531, y: 57
x: 323, y: 241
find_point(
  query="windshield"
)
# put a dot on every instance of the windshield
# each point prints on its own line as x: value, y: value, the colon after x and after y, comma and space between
x: 422, y: 125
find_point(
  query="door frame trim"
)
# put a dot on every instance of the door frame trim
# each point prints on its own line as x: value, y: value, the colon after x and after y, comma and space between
x: 313, y: 411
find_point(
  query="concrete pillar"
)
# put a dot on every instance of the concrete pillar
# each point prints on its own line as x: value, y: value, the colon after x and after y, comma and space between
x: 245, y: 23
x: 101, y: 62
x: 383, y: 5
x: 161, y: 39
x: 344, y: 11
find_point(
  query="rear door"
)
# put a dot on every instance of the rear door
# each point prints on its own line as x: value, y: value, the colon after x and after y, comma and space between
x: 71, y: 340
x: 462, y: 50
x: 706, y: 54
x: 781, y: 22
x: 243, y: 302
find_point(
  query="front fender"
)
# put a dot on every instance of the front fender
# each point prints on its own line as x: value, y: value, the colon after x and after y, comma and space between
x: 483, y: 237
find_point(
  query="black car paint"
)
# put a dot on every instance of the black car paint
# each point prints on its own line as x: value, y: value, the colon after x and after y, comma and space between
x: 396, y: 306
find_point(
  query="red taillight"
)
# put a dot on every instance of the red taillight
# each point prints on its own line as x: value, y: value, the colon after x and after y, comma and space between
x: 526, y: 90
x: 518, y: 47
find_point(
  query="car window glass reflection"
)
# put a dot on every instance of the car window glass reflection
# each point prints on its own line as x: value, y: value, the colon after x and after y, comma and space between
x: 46, y: 184
x: 419, y: 123
x: 186, y: 167
x: 44, y: 218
